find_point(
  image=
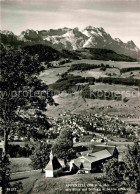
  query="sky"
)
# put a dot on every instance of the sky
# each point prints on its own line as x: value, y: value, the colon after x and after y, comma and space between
x: 120, y: 18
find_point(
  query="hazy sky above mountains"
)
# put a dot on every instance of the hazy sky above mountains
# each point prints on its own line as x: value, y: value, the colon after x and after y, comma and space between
x: 120, y: 18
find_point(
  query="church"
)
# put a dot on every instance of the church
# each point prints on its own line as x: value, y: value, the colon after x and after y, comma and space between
x: 53, y: 168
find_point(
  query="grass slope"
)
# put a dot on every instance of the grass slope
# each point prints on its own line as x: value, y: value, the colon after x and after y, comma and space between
x: 59, y: 185
x: 101, y: 54
x: 20, y: 164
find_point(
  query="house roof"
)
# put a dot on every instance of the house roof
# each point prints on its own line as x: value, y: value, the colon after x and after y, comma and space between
x: 93, y: 157
x: 83, y: 150
x: 49, y: 166
x: 84, y: 153
x: 98, y: 148
x: 53, y: 164
x: 98, y: 153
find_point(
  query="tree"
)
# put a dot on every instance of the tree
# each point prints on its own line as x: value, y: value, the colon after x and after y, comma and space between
x: 126, y: 175
x: 4, y: 173
x: 23, y: 96
x: 132, y: 172
x: 40, y: 155
x: 112, y: 181
x: 63, y: 146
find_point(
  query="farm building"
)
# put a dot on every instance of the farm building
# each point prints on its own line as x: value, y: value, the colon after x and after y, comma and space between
x: 92, y: 160
x: 53, y: 168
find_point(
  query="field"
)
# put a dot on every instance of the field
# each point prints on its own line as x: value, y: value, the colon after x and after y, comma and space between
x: 90, y: 73
x: 135, y: 73
x: 35, y: 182
x: 114, y: 70
x: 117, y: 64
x: 52, y: 75
x: 20, y: 164
x: 65, y: 183
x: 76, y: 104
x: 113, y: 87
x: 28, y: 180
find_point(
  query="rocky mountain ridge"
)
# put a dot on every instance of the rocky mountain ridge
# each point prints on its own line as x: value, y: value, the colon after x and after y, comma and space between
x: 73, y: 39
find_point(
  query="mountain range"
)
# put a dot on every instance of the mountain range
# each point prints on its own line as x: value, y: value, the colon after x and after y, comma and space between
x: 72, y: 39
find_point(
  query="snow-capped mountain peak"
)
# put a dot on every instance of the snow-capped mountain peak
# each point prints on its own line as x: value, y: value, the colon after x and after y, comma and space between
x: 72, y: 39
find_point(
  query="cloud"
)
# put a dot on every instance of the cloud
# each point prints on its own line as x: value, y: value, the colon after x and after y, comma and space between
x: 121, y: 18
x: 27, y: 12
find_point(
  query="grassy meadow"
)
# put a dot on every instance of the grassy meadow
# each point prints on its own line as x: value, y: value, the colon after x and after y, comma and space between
x: 65, y: 183
x: 20, y: 164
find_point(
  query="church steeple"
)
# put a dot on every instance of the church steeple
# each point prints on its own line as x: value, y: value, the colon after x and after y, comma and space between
x: 51, y: 155
x: 52, y: 166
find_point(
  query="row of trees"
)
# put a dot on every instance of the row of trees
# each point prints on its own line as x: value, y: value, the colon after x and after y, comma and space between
x: 18, y: 151
x: 100, y: 94
x: 69, y: 82
x: 87, y: 66
x: 119, y: 80
x: 128, y: 69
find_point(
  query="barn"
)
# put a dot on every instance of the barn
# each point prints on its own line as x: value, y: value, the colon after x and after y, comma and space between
x: 92, y: 160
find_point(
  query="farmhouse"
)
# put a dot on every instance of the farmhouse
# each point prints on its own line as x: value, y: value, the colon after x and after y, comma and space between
x: 54, y: 167
x: 92, y: 160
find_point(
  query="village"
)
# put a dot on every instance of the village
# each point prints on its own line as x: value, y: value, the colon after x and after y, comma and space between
x: 89, y: 124
x: 96, y: 139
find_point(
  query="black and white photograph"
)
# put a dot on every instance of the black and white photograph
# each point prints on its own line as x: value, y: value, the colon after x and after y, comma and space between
x: 69, y: 96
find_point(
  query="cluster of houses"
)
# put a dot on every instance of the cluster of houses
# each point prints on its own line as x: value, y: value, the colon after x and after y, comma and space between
x: 86, y: 161
x: 127, y: 116
x: 103, y: 124
x: 86, y: 124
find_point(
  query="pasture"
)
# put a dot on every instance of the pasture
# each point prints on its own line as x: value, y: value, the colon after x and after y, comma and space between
x: 117, y: 64
x: 76, y: 104
x: 66, y: 184
x: 51, y: 75
x: 20, y: 164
